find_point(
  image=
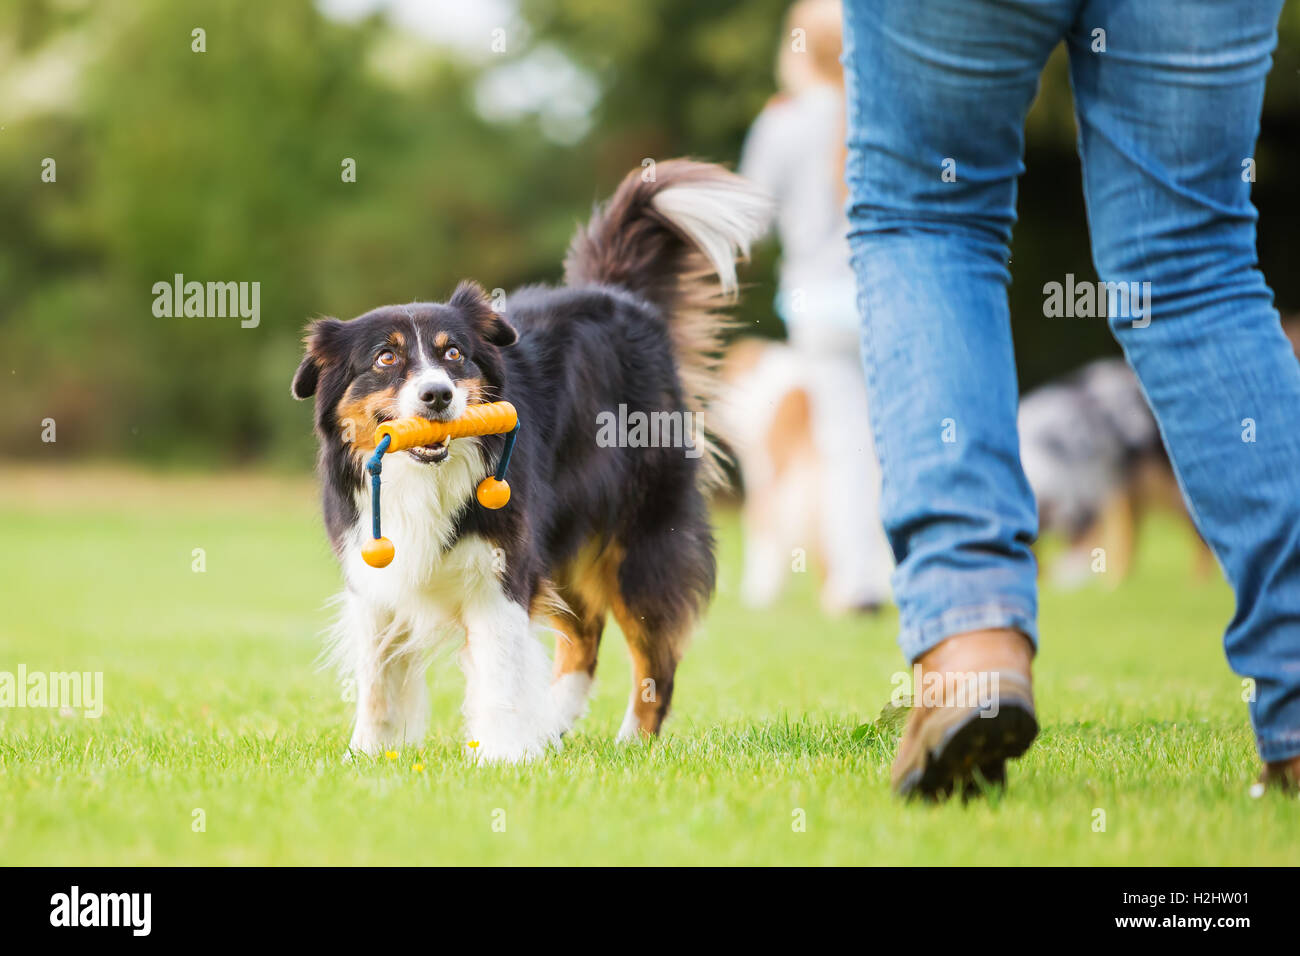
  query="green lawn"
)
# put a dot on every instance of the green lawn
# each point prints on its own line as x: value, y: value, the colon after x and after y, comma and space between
x: 213, y: 702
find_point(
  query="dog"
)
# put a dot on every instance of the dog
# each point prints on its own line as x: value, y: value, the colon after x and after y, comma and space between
x: 593, y: 528
x: 1093, y: 456
x: 796, y: 424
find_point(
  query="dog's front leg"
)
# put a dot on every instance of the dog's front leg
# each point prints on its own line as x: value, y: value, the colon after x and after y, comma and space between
x: 392, y: 697
x: 509, y: 713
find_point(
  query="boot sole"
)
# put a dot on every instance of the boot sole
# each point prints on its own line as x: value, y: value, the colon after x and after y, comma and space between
x: 973, y: 753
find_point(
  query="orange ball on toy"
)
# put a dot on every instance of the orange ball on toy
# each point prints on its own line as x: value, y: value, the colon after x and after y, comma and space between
x: 377, y: 552
x: 493, y: 493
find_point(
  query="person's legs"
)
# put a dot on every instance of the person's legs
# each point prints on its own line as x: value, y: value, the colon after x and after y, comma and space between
x: 937, y: 96
x: 856, y: 554
x: 1168, y: 115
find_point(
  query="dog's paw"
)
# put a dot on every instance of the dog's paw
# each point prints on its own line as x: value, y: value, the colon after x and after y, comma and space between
x: 506, y: 750
x: 509, y: 742
x: 630, y: 732
x: 569, y: 694
x: 482, y: 754
x: 363, y: 745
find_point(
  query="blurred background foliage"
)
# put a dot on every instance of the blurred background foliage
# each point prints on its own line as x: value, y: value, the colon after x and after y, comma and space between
x: 226, y: 166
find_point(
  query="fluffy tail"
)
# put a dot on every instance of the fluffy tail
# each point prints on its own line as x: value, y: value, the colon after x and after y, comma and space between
x: 672, y: 236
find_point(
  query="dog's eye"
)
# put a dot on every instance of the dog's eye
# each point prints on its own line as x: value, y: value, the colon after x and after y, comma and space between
x: 452, y: 354
x: 386, y: 358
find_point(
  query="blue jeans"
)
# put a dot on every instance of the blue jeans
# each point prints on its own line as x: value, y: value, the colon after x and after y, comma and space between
x: 1168, y: 113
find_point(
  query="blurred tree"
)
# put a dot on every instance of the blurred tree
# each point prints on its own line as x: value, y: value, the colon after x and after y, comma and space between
x: 225, y: 165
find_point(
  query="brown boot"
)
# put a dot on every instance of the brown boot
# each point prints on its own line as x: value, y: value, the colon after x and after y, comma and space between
x: 1282, y: 775
x: 967, y: 723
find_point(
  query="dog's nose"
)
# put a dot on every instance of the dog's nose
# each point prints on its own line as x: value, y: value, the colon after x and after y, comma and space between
x: 437, y: 397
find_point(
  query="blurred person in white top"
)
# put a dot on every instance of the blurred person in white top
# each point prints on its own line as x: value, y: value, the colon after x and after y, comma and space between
x: 795, y: 151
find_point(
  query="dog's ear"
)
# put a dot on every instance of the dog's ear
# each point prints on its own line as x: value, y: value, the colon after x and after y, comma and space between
x: 304, y: 380
x: 470, y: 298
x: 322, y: 343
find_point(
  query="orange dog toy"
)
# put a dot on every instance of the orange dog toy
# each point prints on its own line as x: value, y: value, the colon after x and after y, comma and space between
x: 495, y: 418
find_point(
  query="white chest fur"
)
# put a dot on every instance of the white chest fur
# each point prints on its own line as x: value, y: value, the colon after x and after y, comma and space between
x: 419, y: 505
x: 429, y: 592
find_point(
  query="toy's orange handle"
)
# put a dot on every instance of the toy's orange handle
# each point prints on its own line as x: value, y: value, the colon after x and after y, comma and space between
x: 493, y: 418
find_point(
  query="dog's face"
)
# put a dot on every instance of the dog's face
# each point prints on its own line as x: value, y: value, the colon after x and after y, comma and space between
x: 423, y: 359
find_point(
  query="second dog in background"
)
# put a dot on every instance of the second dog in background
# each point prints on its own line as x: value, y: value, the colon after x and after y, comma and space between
x: 1093, y: 456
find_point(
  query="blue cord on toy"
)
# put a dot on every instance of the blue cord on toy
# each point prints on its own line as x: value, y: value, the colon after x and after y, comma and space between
x: 504, y: 463
x: 374, y: 466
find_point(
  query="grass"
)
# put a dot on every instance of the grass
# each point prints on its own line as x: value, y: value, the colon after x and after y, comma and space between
x: 213, y: 704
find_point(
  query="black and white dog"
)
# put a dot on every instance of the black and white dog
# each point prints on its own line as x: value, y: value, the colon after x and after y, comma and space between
x: 1092, y: 453
x: 593, y: 528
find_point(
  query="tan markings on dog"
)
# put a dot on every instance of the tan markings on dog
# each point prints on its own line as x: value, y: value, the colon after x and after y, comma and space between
x: 359, y: 414
x: 592, y: 577
x: 587, y: 585
x: 1116, y: 527
x: 1151, y: 487
x: 742, y: 358
x: 790, y: 438
x: 577, y: 642
x: 590, y: 585
x: 441, y: 340
x: 473, y: 389
x: 654, y: 664
x: 398, y: 339
x: 548, y: 603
